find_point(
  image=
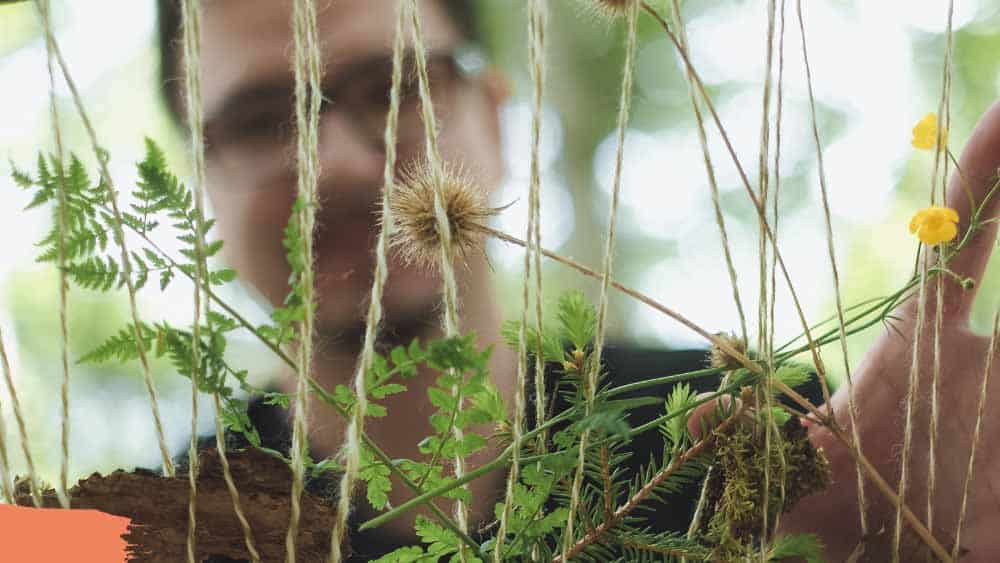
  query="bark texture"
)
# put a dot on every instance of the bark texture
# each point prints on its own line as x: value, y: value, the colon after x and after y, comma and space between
x: 158, y: 508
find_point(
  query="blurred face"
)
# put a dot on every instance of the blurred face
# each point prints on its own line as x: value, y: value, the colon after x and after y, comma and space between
x: 247, y: 87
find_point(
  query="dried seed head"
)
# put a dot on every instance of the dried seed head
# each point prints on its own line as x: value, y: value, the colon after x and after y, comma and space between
x: 611, y: 8
x: 415, y: 236
x: 720, y: 359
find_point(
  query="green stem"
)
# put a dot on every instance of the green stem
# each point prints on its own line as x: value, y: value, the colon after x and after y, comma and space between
x: 614, y: 391
x: 428, y: 496
x: 495, y: 463
x: 975, y: 224
x: 866, y: 303
x: 739, y: 381
x: 885, y: 304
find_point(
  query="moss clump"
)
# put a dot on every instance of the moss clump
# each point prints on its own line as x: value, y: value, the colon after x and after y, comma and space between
x: 734, y: 506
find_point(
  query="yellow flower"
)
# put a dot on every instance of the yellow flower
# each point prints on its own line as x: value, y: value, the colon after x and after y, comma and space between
x: 935, y: 224
x: 925, y: 133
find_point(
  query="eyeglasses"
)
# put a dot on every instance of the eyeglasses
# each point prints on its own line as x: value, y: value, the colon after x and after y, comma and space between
x: 255, y: 128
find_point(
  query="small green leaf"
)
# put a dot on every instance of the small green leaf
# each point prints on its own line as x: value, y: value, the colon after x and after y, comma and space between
x: 399, y: 356
x: 277, y: 399
x: 213, y: 248
x: 577, y: 319
x: 223, y: 276
x: 805, y: 546
x: 383, y: 391
x: 471, y: 443
x: 793, y: 375
x: 408, y: 554
x: 441, y: 398
x: 679, y: 401
x: 376, y: 476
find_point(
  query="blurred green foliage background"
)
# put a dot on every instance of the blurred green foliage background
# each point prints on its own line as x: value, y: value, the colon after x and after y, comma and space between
x: 877, y: 69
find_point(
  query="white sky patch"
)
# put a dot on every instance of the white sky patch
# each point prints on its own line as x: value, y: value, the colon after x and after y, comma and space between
x: 556, y: 201
x: 727, y: 43
x: 665, y: 187
x: 697, y: 285
x: 90, y: 54
x: 860, y: 176
x: 741, y: 117
x: 657, y: 72
x: 515, y: 124
x: 24, y: 114
x: 664, y: 190
x: 930, y: 16
x: 556, y: 215
x: 849, y: 77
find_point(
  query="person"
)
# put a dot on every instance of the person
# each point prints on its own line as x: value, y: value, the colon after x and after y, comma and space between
x: 247, y: 86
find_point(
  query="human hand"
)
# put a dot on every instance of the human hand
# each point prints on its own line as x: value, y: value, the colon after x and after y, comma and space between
x: 880, y: 383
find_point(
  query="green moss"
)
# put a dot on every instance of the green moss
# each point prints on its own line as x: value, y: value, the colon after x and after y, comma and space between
x: 734, y: 505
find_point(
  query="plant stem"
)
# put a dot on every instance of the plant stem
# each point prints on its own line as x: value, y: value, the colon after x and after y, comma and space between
x: 667, y: 379
x: 495, y: 463
x: 637, y: 295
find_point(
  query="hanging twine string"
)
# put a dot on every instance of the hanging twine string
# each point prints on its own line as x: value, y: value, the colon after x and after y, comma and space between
x: 436, y: 165
x: 6, y: 485
x: 536, y: 31
x: 63, y: 283
x: 227, y: 476
x: 910, y: 399
x: 713, y: 184
x: 437, y: 168
x: 36, y: 495
x: 763, y: 176
x: 191, y: 37
x: 720, y: 222
x: 352, y: 443
x: 774, y: 265
x: 943, y: 114
x: 308, y: 96
x: 602, y: 309
x: 764, y: 344
x: 852, y: 408
x: 119, y: 236
x: 945, y: 107
x: 983, y: 396
x: 935, y: 378
x: 759, y: 208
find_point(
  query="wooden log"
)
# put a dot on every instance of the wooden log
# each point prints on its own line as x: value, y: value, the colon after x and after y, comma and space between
x: 158, y: 508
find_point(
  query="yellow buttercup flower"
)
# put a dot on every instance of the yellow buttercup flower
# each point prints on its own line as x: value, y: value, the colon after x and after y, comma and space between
x: 935, y: 224
x: 925, y: 133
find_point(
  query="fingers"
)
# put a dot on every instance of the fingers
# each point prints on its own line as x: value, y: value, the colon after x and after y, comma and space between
x: 977, y: 174
x: 701, y: 415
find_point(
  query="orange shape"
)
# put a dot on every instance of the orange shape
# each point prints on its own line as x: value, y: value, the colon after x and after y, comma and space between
x: 52, y: 535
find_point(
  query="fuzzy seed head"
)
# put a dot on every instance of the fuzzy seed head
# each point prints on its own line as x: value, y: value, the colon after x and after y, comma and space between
x: 611, y: 8
x: 720, y: 359
x: 415, y: 236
